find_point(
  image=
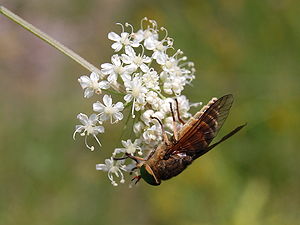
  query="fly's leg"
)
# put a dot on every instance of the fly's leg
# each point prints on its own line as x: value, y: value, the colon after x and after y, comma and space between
x: 175, y: 131
x: 177, y: 110
x: 137, y: 178
x: 135, y: 158
x: 133, y: 169
x: 165, y: 137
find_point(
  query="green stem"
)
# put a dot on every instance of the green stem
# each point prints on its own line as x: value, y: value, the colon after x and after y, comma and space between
x: 51, y: 41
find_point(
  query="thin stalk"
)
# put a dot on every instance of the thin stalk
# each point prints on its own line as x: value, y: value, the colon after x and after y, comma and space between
x: 54, y: 43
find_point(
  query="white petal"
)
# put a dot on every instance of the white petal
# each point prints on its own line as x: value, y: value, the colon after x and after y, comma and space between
x: 107, y: 100
x: 118, y: 116
x: 124, y: 35
x: 109, y: 162
x: 103, y: 117
x: 124, y: 143
x: 128, y: 98
x: 84, y: 81
x: 112, y: 78
x: 118, y: 150
x: 101, y: 167
x: 126, y: 78
x: 161, y: 58
x: 130, y: 51
x: 130, y: 68
x: 88, y: 92
x: 98, y: 107
x: 146, y: 59
x: 135, y: 44
x: 103, y: 84
x: 126, y: 59
x: 83, y: 118
x: 99, y: 129
x: 115, y: 59
x: 119, y: 106
x: 117, y: 46
x: 113, y: 36
x: 94, y: 76
x: 144, y: 68
x: 93, y: 118
x: 149, y: 43
x: 106, y: 68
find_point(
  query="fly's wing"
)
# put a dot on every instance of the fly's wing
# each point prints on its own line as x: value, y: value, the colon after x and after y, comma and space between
x: 203, y: 131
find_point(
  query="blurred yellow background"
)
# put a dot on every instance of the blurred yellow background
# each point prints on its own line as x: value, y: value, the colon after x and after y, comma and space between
x: 249, y: 48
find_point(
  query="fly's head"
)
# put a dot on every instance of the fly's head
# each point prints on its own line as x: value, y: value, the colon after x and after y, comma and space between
x: 148, y: 175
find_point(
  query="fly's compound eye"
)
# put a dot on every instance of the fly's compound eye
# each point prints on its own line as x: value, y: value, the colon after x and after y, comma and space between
x: 148, y: 175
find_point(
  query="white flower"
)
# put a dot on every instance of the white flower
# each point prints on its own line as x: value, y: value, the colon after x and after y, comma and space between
x: 136, y: 92
x: 153, y: 99
x: 150, y: 31
x: 152, y: 135
x: 129, y: 147
x: 142, y: 35
x: 91, y: 84
x: 135, y: 61
x: 137, y: 127
x: 108, y: 110
x: 146, y: 117
x: 113, y: 167
x: 174, y: 84
x: 165, y: 105
x: 159, y: 48
x: 88, y: 127
x: 150, y: 79
x: 168, y: 122
x: 114, y: 69
x: 120, y: 40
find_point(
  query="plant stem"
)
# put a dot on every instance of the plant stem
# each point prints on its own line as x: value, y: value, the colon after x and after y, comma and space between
x: 54, y: 43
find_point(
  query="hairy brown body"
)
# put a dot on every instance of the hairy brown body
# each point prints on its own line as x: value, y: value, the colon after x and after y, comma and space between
x: 166, y: 168
x: 188, y: 143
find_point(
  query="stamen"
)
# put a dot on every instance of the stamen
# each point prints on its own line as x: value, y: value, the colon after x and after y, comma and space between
x: 166, y: 32
x: 122, y: 177
x: 142, y: 21
x: 92, y: 148
x: 76, y: 131
x: 154, y: 24
x: 170, y: 41
x: 129, y: 25
x: 143, y: 50
x: 132, y: 110
x: 178, y: 52
x: 97, y: 140
x: 191, y: 64
x: 182, y: 58
x: 123, y: 30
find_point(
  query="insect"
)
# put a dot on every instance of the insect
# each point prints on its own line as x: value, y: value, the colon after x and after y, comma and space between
x: 190, y: 142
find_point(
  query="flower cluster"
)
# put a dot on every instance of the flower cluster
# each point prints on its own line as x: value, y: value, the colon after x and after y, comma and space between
x: 149, y: 74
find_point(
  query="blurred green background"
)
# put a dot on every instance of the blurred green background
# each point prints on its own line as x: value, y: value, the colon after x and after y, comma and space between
x: 249, y: 48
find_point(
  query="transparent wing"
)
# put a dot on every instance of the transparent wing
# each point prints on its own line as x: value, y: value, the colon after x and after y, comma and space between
x: 200, y: 135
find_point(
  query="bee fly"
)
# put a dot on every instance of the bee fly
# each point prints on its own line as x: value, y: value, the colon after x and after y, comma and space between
x: 193, y: 140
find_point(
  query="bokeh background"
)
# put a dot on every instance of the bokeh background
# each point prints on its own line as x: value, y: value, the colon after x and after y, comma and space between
x: 249, y: 48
